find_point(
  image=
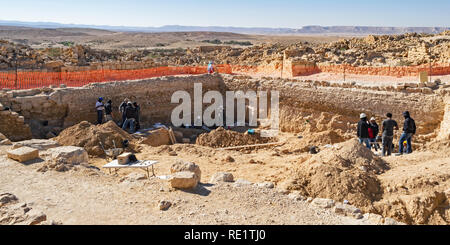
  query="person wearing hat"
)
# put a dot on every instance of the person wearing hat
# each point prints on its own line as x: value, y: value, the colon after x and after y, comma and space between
x: 363, y: 130
x: 210, y: 68
x: 388, y: 127
x: 409, y: 129
x: 374, y: 129
x: 99, y: 107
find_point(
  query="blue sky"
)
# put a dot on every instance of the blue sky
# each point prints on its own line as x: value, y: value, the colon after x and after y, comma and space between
x: 243, y: 13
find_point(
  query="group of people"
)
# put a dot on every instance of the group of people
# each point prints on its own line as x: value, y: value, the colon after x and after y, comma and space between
x: 367, y: 132
x: 130, y: 113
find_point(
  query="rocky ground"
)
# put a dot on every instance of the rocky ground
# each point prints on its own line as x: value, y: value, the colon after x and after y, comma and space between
x: 388, y: 50
x: 88, y: 196
x: 413, y: 189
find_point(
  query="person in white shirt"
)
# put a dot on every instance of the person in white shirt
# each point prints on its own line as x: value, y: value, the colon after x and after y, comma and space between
x: 99, y: 107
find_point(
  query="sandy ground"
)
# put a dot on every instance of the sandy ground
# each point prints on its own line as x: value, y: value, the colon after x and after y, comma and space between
x: 88, y: 196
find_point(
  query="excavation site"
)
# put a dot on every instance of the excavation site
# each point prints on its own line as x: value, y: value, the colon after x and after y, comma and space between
x: 65, y: 159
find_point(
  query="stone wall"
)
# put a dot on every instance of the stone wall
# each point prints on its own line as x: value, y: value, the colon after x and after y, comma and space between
x: 305, y: 105
x: 13, y: 126
x: 314, y: 106
x: 48, y: 111
x: 444, y: 133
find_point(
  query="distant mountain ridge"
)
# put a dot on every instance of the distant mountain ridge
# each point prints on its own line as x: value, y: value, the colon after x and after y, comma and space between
x: 317, y: 30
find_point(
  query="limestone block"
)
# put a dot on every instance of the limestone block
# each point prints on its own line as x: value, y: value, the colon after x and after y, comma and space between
x: 222, y: 177
x: 183, y: 180
x: 69, y: 154
x: 39, y: 144
x: 23, y: 154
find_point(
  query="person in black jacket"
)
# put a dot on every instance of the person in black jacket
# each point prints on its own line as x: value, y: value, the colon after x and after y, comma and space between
x: 130, y: 115
x: 108, y: 111
x: 122, y: 108
x: 389, y: 126
x: 138, y: 114
x: 374, y: 129
x: 409, y: 129
x: 363, y: 130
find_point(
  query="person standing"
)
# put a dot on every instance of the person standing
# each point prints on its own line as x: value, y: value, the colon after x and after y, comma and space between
x: 388, y: 127
x: 130, y: 115
x: 373, y: 133
x: 210, y: 68
x: 363, y: 130
x: 108, y: 111
x: 409, y: 129
x: 138, y: 114
x: 122, y: 108
x: 99, y: 107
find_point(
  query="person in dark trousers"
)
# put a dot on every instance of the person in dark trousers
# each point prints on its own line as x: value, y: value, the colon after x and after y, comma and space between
x: 363, y: 130
x: 409, y: 129
x: 138, y: 114
x: 130, y: 115
x: 388, y: 127
x: 373, y: 133
x: 122, y: 108
x: 108, y: 111
x: 99, y: 107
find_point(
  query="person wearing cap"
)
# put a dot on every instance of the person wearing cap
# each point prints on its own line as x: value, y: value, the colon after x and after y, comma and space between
x: 374, y: 129
x: 363, y: 130
x: 99, y: 107
x: 409, y: 129
x: 388, y: 127
x: 130, y: 114
x: 210, y: 68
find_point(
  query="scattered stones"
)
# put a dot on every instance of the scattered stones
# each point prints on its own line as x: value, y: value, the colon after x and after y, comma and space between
x: 296, y: 196
x: 268, y: 185
x: 348, y: 210
x: 164, y: 205
x: 222, y: 177
x: 241, y: 183
x: 7, y: 198
x: 323, y: 202
x: 229, y: 159
x: 23, y: 154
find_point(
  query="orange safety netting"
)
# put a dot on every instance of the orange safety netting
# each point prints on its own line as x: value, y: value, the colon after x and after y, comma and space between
x: 27, y: 80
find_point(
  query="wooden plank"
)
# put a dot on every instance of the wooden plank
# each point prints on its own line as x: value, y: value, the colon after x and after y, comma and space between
x: 248, y: 146
x: 172, y: 136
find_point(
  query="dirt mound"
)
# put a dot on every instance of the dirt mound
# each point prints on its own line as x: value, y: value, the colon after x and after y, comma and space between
x: 227, y: 138
x: 89, y: 136
x: 304, y: 143
x: 347, y: 171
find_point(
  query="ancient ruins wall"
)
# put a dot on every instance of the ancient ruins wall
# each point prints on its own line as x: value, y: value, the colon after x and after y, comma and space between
x: 444, y: 133
x: 292, y: 69
x: 13, y: 126
x: 306, y: 104
x: 51, y: 110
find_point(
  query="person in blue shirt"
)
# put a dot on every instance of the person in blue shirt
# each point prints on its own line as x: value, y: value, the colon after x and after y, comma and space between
x: 210, y: 68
